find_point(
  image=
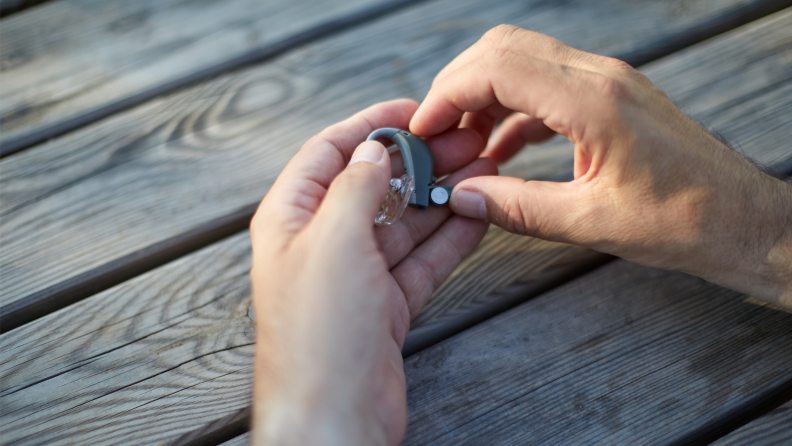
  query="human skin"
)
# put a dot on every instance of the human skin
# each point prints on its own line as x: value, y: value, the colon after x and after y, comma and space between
x: 334, y: 295
x: 651, y: 185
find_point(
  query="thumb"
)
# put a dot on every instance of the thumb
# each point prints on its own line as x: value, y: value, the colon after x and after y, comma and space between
x: 356, y: 194
x: 540, y: 209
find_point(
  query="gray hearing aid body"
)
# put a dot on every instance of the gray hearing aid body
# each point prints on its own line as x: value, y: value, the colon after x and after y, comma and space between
x: 418, y: 162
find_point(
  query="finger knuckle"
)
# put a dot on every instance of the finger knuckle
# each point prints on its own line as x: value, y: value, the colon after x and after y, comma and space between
x: 325, y: 134
x: 616, y: 64
x: 607, y: 87
x: 313, y: 139
x: 610, y: 89
x: 498, y: 58
x: 622, y: 69
x: 501, y: 35
x: 500, y: 53
x: 640, y: 78
x: 560, y: 51
x: 514, y: 211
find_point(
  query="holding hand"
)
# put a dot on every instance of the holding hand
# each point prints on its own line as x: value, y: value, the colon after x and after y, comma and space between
x: 334, y: 295
x: 651, y: 185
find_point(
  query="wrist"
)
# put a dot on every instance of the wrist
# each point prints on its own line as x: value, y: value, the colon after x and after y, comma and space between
x: 773, y: 268
x: 288, y: 424
x: 299, y: 403
x: 314, y: 420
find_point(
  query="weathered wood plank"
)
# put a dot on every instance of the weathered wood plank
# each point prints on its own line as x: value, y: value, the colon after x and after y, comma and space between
x: 724, y: 101
x: 167, y: 45
x: 625, y: 355
x: 170, y: 351
x: 114, y: 189
x: 72, y: 62
x: 133, y: 364
x: 774, y: 428
x: 505, y: 270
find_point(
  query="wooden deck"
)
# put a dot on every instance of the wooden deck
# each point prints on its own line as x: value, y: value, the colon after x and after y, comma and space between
x: 131, y: 136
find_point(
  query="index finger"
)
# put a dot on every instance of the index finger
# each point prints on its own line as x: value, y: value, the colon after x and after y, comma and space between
x: 560, y: 95
x: 531, y: 43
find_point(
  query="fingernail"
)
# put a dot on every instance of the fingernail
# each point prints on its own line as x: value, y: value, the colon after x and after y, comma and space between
x: 469, y: 204
x: 368, y: 152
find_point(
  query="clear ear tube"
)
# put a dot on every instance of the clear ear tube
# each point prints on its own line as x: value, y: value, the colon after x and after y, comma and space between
x: 396, y: 200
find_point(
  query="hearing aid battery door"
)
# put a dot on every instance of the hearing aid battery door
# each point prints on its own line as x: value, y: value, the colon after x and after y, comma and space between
x: 439, y: 195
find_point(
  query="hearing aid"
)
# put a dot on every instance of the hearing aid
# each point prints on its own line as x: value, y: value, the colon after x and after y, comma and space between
x: 416, y: 188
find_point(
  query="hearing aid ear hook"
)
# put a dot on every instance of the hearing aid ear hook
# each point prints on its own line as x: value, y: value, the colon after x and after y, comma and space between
x: 418, y: 164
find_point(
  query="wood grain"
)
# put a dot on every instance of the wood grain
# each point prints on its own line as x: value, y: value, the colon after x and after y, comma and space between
x: 167, y: 167
x: 145, y: 360
x: 135, y: 364
x: 736, y: 98
x: 504, y: 271
x: 72, y: 62
x: 625, y: 355
x: 169, y: 353
x: 775, y: 428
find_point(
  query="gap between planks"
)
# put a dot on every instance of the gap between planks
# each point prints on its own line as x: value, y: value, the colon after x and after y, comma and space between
x: 626, y: 355
x: 8, y: 7
x: 171, y: 82
x: 111, y: 259
x: 772, y: 428
x: 202, y: 49
x: 765, y: 420
x: 738, y: 418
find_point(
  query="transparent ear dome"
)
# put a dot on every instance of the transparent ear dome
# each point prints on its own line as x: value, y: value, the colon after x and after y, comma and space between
x: 396, y: 201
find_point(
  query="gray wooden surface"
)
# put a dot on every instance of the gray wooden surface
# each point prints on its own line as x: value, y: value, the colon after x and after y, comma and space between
x: 746, y: 99
x: 170, y: 351
x: 145, y: 362
x: 774, y: 428
x: 157, y: 351
x: 70, y: 57
x: 179, y: 162
x: 624, y: 355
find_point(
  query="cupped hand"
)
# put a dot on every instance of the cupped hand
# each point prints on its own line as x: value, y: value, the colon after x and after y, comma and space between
x: 334, y: 295
x: 651, y: 185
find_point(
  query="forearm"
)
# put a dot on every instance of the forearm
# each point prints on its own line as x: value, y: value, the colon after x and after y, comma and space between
x: 760, y: 255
